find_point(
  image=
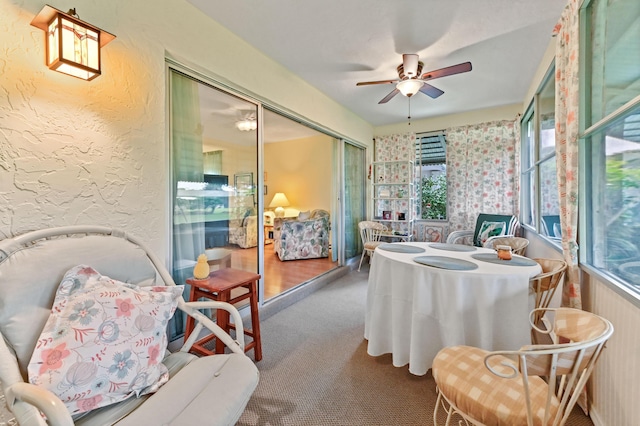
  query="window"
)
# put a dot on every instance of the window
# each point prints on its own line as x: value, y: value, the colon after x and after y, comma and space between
x: 540, y: 201
x: 611, y: 141
x: 431, y: 175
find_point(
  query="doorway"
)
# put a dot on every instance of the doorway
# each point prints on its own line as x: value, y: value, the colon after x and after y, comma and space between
x: 299, y: 164
x: 229, y: 156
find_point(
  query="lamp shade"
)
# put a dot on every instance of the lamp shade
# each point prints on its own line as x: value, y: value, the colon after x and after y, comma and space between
x: 279, y: 201
x: 409, y: 87
x: 73, y: 46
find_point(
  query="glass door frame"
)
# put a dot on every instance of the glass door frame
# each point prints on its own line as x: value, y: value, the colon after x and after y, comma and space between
x: 202, y: 78
x: 207, y: 78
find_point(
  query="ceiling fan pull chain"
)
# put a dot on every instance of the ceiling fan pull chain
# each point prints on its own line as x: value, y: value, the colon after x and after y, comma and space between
x: 409, y: 117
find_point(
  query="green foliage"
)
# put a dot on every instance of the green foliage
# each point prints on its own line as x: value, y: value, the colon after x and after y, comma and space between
x: 621, y: 176
x: 622, y: 196
x: 434, y: 197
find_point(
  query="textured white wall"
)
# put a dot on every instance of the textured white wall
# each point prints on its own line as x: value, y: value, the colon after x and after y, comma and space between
x: 77, y: 152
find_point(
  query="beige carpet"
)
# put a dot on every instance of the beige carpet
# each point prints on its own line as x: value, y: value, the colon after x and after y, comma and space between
x: 315, y: 368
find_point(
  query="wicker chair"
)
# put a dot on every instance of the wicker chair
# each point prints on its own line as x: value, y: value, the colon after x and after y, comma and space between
x: 536, y: 385
x: 544, y: 286
x: 517, y: 244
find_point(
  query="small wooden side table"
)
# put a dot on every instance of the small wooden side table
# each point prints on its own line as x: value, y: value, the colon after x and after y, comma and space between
x: 218, y: 287
x: 268, y: 234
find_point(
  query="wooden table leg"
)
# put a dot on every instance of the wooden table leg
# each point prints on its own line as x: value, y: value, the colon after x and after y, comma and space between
x: 255, y: 323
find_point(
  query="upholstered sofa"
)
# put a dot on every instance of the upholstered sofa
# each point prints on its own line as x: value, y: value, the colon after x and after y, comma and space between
x: 244, y: 231
x: 302, y: 237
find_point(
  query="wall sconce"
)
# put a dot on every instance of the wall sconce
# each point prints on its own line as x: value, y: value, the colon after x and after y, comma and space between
x: 73, y: 46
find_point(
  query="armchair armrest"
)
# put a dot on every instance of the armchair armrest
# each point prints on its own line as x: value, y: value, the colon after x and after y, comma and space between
x: 202, y: 321
x: 43, y: 400
x: 455, y: 236
x: 490, y: 241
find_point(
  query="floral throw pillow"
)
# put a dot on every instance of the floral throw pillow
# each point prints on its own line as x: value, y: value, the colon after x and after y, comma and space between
x: 490, y: 229
x: 104, y: 340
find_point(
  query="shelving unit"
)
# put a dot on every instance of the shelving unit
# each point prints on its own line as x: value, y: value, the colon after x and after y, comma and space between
x: 394, y: 196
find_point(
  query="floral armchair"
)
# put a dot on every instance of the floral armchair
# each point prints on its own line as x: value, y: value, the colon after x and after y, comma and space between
x: 244, y: 231
x: 301, y: 237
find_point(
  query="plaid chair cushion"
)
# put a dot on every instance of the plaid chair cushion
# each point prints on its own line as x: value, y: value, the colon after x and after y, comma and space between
x: 462, y: 377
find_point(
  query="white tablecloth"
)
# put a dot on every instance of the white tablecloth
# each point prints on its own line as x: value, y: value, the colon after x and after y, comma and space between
x: 414, y: 310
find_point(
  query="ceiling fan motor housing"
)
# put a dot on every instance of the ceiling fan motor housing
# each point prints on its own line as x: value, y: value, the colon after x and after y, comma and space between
x: 403, y: 76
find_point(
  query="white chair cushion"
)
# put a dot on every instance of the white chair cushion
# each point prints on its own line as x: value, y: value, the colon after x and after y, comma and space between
x: 461, y: 376
x: 112, y: 413
x: 212, y: 391
x: 372, y: 245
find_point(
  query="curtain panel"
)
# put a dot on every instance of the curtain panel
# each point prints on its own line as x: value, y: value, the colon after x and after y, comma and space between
x: 396, y: 147
x: 483, y: 163
x: 187, y: 160
x: 567, y: 128
x: 567, y: 102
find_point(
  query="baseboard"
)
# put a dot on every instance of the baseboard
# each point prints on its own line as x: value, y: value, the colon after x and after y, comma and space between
x: 593, y: 414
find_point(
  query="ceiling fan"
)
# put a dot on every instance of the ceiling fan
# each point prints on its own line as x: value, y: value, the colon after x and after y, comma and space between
x: 410, y: 82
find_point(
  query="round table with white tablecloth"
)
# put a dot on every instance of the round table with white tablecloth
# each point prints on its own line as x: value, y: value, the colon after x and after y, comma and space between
x: 465, y: 298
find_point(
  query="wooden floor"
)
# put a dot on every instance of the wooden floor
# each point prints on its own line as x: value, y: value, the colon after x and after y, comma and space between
x: 279, y: 276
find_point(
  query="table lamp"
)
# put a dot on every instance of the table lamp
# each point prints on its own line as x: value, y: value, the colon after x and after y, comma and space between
x: 279, y: 201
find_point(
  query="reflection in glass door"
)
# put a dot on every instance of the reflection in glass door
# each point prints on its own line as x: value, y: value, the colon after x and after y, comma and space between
x: 214, y: 157
x: 354, y: 198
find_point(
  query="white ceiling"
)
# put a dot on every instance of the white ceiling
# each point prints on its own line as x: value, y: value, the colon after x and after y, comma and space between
x: 333, y: 44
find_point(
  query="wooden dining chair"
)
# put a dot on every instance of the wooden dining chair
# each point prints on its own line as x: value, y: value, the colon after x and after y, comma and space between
x: 517, y: 244
x: 370, y: 234
x: 535, y: 385
x: 544, y: 286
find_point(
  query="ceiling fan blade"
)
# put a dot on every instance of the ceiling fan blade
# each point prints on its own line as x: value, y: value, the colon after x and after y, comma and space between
x: 366, y: 83
x: 443, y: 72
x: 431, y: 91
x: 389, y: 96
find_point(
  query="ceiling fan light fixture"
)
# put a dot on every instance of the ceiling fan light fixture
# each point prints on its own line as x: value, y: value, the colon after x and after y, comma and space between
x: 409, y: 87
x: 247, y: 125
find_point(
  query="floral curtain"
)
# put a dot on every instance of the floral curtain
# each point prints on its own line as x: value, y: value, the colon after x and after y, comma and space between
x: 567, y: 99
x: 396, y: 147
x: 483, y: 164
x: 567, y: 127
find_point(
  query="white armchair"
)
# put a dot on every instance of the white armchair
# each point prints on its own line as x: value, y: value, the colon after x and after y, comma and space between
x: 208, y: 390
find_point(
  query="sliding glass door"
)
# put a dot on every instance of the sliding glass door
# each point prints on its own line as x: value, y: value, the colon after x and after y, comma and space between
x: 235, y: 166
x: 214, y: 156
